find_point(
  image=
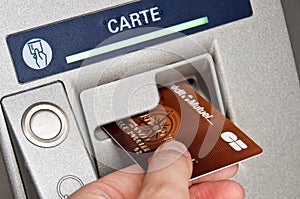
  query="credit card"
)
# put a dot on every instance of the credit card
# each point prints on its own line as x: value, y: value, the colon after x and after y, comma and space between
x: 184, y: 115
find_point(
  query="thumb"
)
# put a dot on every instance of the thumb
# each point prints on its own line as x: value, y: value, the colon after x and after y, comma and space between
x: 169, y: 172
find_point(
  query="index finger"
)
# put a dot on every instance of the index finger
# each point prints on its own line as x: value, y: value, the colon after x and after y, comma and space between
x: 121, y: 184
x: 222, y: 174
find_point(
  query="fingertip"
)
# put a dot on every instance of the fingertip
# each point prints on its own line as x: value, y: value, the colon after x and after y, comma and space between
x: 218, y: 190
x: 223, y: 174
x: 170, y: 153
x: 230, y: 171
x: 238, y: 189
x: 173, y: 146
x: 170, y: 169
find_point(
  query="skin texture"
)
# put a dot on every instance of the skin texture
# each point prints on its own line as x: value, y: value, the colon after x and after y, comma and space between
x: 168, y: 176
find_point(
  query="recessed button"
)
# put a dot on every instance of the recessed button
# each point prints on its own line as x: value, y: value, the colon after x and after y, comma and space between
x: 68, y: 185
x: 45, y: 124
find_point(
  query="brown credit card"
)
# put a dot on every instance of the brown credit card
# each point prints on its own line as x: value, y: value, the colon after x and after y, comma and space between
x: 182, y: 114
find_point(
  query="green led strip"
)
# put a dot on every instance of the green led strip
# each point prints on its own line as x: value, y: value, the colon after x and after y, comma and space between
x: 137, y: 40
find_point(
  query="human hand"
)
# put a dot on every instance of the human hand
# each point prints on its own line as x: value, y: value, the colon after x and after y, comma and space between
x: 168, y: 176
x: 40, y: 58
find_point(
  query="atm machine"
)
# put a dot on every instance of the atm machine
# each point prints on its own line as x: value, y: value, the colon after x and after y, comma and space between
x: 76, y: 66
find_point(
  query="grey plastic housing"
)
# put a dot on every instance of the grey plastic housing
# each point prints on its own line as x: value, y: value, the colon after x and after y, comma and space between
x: 255, y: 66
x: 75, y: 162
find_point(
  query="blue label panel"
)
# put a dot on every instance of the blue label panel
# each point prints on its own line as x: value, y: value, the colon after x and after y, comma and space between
x: 63, y: 46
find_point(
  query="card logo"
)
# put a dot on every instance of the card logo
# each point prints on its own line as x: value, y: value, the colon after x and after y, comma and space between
x: 195, y: 104
x: 37, y: 54
x: 234, y: 141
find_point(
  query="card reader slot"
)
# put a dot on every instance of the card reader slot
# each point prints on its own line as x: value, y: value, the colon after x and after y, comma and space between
x: 98, y: 108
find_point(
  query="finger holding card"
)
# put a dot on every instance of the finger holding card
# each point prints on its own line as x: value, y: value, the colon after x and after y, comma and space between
x: 223, y: 174
x: 213, y: 141
x: 132, y: 182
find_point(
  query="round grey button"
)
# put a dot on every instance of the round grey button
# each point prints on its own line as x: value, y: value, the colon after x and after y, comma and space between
x: 45, y: 125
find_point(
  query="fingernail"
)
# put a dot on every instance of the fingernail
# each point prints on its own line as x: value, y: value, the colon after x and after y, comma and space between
x: 173, y: 146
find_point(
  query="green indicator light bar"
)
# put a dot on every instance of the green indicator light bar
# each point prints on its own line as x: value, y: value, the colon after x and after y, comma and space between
x: 137, y: 40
